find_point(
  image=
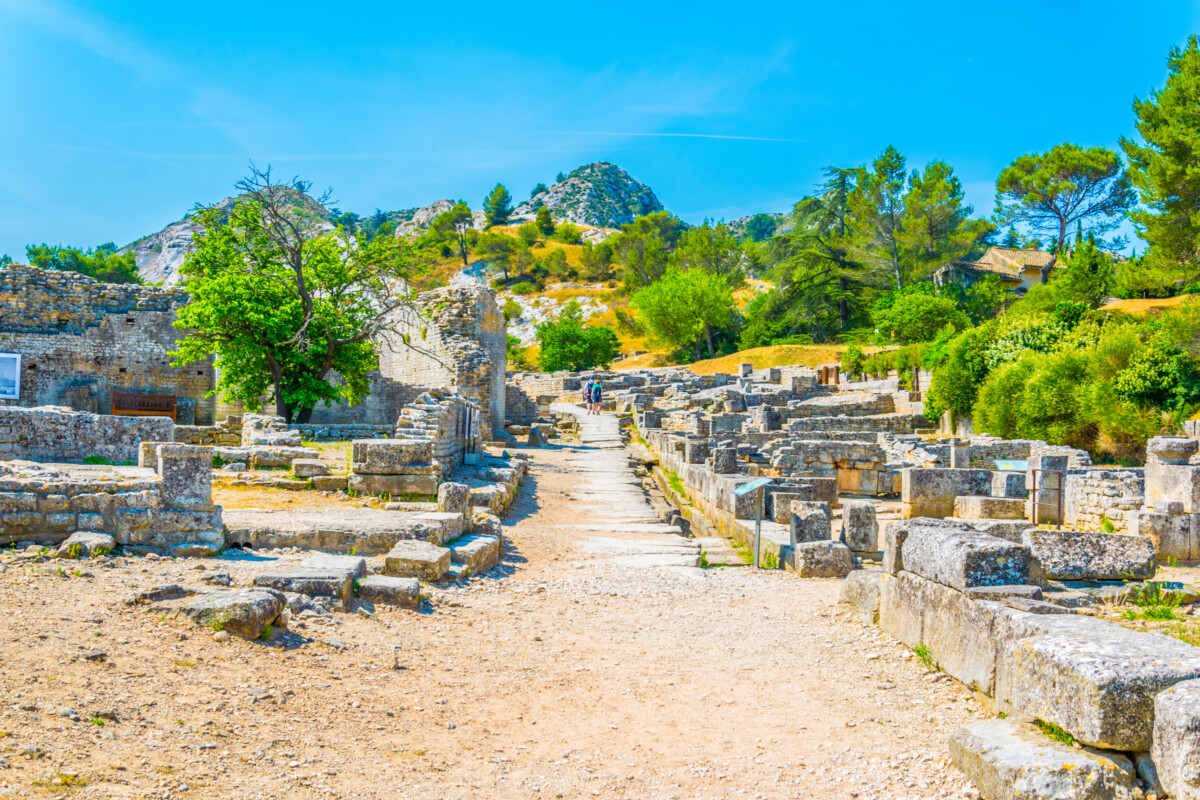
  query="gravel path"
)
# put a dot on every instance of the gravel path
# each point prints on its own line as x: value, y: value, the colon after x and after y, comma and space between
x: 568, y: 672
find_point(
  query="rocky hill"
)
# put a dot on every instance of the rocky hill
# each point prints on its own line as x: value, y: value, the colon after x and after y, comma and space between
x: 599, y: 194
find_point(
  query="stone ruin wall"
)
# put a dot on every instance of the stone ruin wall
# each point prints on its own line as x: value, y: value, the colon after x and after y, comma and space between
x: 81, y: 340
x: 520, y: 407
x: 458, y: 343
x: 62, y: 435
x: 446, y: 420
x: 1097, y: 494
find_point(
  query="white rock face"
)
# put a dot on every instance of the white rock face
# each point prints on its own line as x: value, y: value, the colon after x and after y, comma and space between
x: 160, y: 255
x: 600, y: 194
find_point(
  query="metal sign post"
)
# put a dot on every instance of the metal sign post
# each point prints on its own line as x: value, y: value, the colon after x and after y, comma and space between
x: 757, y: 485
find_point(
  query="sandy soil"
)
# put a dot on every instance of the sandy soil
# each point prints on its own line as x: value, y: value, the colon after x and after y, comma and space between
x: 560, y: 674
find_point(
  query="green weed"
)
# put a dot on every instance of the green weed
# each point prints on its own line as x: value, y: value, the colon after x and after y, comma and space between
x: 925, y: 656
x: 1054, y: 732
x: 267, y: 632
x: 1106, y: 525
x: 770, y: 561
x: 218, y: 623
x: 704, y: 560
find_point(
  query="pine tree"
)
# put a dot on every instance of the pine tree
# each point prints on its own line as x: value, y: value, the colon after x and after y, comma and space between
x: 497, y: 206
x: 1163, y: 170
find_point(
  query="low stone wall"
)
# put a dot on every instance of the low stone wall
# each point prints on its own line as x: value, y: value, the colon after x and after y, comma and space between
x: 520, y: 404
x: 872, y: 423
x: 985, y: 449
x: 165, y: 506
x: 452, y: 423
x: 341, y: 432
x: 860, y: 467
x: 51, y: 433
x: 223, y: 434
x: 1097, y: 494
x: 852, y: 404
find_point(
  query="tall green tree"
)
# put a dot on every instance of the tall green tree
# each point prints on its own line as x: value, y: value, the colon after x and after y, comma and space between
x: 455, y: 225
x: 878, y: 209
x: 536, y: 190
x: 544, y: 222
x: 566, y: 343
x: 498, y: 250
x: 643, y: 246
x: 1163, y: 168
x: 760, y: 227
x: 685, y: 308
x: 1066, y: 186
x: 285, y: 307
x: 102, y: 263
x: 936, y: 226
x: 497, y: 206
x: 713, y: 249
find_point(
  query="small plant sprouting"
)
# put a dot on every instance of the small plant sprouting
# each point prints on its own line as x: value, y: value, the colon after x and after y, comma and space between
x: 1055, y: 732
x: 267, y: 632
x: 770, y: 561
x: 704, y: 560
x: 218, y: 623
x: 925, y: 656
x: 1106, y: 525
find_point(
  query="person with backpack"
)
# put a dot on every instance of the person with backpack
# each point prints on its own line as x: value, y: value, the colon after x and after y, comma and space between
x: 587, y: 396
x: 597, y: 394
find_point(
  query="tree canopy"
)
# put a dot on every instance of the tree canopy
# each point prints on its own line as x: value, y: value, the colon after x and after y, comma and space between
x: 497, y: 206
x: 103, y: 263
x: 284, y: 307
x: 684, y: 308
x: 455, y: 225
x: 567, y: 344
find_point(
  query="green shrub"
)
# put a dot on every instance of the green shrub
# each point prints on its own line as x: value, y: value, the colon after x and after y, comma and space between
x: 917, y: 318
x: 523, y: 288
x: 568, y: 234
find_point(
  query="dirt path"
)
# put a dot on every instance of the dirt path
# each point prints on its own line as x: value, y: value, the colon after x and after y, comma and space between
x: 567, y: 673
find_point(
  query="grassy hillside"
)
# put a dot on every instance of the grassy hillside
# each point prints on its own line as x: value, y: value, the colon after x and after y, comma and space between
x: 1140, y: 306
x: 810, y: 355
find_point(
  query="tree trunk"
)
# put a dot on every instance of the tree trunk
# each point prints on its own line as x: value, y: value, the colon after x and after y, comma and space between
x: 281, y: 409
x: 708, y: 339
x: 304, y: 415
x: 1062, y: 235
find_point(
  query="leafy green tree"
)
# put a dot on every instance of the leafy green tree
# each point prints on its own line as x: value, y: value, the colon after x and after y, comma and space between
x: 497, y: 206
x: 643, y: 247
x: 536, y: 190
x: 1163, y: 169
x: 916, y: 317
x: 567, y: 344
x: 1089, y: 277
x: 544, y: 222
x: 878, y: 208
x: 959, y: 373
x: 713, y: 249
x: 853, y: 359
x: 567, y: 233
x: 685, y: 308
x: 497, y: 250
x: 456, y: 225
x: 285, y: 307
x: 596, y: 260
x: 528, y: 233
x: 936, y: 227
x: 1065, y: 186
x: 102, y: 263
x: 760, y: 227
x: 986, y: 298
x: 560, y: 177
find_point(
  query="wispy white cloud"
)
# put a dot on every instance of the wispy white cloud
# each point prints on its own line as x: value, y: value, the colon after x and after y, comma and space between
x: 92, y: 33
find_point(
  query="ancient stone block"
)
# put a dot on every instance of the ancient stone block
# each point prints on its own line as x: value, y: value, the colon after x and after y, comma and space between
x: 318, y: 576
x: 242, y: 612
x: 476, y: 552
x: 931, y: 492
x: 309, y: 467
x: 1077, y: 555
x: 394, y: 485
x: 186, y: 472
x: 960, y: 558
x: 392, y: 591
x: 1012, y: 760
x: 1176, y: 748
x: 826, y: 559
x: 860, y: 591
x: 695, y: 449
x: 810, y: 522
x: 389, y: 456
x: 410, y: 558
x: 1007, y: 483
x: 977, y: 507
x: 84, y: 544
x: 860, y: 531
x: 725, y: 461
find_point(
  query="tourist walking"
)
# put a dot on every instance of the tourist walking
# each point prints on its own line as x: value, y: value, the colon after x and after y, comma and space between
x: 597, y: 395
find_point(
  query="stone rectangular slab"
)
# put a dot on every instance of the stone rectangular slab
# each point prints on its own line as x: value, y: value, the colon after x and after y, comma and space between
x: 242, y: 612
x: 1078, y: 555
x: 476, y: 552
x: 389, y: 456
x: 978, y: 507
x: 393, y: 485
x: 319, y: 576
x: 827, y: 559
x: 1011, y: 760
x: 860, y: 591
x: 411, y: 558
x: 962, y: 558
x: 392, y: 591
x: 1176, y: 750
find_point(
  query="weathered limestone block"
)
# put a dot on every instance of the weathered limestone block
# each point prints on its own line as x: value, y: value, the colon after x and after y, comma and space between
x: 186, y: 472
x: 412, y: 558
x: 1097, y: 682
x: 977, y: 507
x: 1176, y: 748
x: 1011, y: 760
x: 454, y: 498
x: 392, y: 591
x: 828, y: 559
x: 931, y: 492
x: 242, y: 612
x: 860, y: 591
x: 1006, y: 483
x: 390, y: 456
x: 1173, y: 535
x: 265, y: 429
x: 695, y: 449
x: 860, y: 530
x: 1001, y: 593
x: 318, y: 576
x: 85, y: 544
x: 1077, y: 555
x: 486, y: 523
x: 393, y: 485
x: 477, y: 552
x: 725, y: 460
x: 810, y: 522
x: 309, y: 467
x: 1172, y: 449
x: 961, y: 558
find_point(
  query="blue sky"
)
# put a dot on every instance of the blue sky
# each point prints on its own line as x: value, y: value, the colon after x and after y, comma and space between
x: 119, y: 116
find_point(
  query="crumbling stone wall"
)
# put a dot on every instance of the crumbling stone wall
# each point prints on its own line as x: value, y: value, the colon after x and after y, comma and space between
x: 81, y: 340
x: 520, y: 407
x: 60, y: 434
x: 458, y: 343
x: 227, y: 433
x: 453, y: 423
x: 1096, y: 493
x: 890, y: 423
x: 342, y: 432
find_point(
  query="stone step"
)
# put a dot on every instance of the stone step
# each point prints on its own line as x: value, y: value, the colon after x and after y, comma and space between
x: 477, y: 552
x: 318, y: 576
x: 411, y: 558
